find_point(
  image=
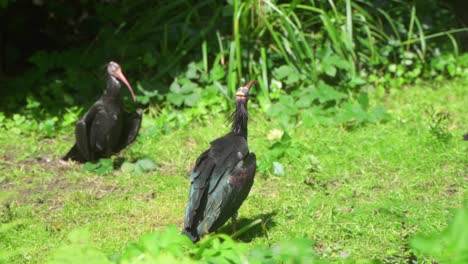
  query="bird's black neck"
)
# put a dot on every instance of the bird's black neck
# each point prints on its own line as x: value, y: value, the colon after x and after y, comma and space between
x: 240, y: 118
x: 112, y: 89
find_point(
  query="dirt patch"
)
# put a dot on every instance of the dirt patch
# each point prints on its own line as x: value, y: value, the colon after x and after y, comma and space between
x: 51, y: 189
x: 52, y: 192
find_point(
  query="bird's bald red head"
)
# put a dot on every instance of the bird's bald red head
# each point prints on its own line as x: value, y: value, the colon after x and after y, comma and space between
x: 113, y: 68
x: 243, y: 92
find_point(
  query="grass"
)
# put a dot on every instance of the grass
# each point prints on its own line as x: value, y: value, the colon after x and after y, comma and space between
x: 378, y: 184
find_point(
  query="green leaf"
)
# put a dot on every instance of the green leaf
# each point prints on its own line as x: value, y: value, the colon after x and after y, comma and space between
x: 330, y: 70
x: 188, y: 87
x: 304, y: 102
x: 144, y: 165
x: 278, y: 169
x: 378, y: 113
x: 338, y: 61
x: 175, y: 99
x: 326, y: 93
x: 106, y: 166
x: 175, y: 87
x: 191, y: 72
x: 283, y: 71
x: 88, y: 166
x: 127, y: 167
x: 449, y: 246
x: 192, y: 99
x: 79, y: 250
x: 217, y: 72
x: 295, y: 251
x: 351, y: 112
x: 363, y: 100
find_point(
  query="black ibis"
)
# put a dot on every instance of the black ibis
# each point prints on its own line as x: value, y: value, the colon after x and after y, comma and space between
x: 106, y: 128
x: 222, y: 177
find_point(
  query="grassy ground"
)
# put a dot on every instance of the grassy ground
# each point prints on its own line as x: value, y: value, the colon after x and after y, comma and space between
x: 377, y: 185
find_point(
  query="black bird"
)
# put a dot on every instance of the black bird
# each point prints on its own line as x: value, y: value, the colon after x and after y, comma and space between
x: 106, y: 128
x: 222, y: 177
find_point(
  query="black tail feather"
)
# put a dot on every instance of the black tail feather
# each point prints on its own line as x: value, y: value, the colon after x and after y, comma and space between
x: 74, y: 154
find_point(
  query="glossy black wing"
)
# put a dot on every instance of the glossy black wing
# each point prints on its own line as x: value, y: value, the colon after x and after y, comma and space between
x: 81, y: 151
x: 210, y: 169
x: 197, y: 195
x: 228, y: 195
x: 131, y: 126
x: 105, y: 132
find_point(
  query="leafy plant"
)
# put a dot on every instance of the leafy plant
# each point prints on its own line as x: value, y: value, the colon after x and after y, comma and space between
x: 139, y: 167
x: 169, y: 246
x: 350, y: 46
x: 282, y: 149
x: 103, y: 166
x: 450, y: 245
x: 78, y: 250
x: 439, y: 124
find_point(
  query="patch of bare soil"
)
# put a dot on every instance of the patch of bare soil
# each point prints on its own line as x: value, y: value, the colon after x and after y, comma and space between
x: 50, y: 190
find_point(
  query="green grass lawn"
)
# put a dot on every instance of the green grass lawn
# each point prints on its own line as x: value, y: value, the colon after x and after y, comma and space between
x: 372, y: 188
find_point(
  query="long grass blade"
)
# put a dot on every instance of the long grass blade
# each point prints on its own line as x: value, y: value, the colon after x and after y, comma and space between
x: 205, y: 55
x: 349, y: 22
x: 411, y: 25
x: 231, y: 74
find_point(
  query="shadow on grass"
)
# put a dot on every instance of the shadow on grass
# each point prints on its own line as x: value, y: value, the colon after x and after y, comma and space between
x: 260, y: 230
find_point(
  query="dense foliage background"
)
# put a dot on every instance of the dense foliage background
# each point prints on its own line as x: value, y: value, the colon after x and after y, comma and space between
x: 318, y: 63
x: 177, y: 52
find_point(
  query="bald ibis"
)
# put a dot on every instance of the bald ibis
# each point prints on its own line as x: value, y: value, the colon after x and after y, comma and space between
x: 106, y: 128
x: 222, y: 177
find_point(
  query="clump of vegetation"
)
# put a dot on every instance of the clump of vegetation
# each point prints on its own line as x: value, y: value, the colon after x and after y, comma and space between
x: 170, y: 246
x: 450, y: 245
x: 330, y: 54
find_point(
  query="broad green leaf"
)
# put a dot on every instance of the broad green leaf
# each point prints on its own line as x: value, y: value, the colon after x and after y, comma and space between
x: 278, y: 169
x: 175, y: 87
x: 88, y: 166
x: 326, y: 93
x: 191, y: 72
x: 78, y: 250
x: 449, y: 246
x: 175, y: 99
x: 330, y: 70
x: 217, y: 72
x: 363, y: 100
x: 106, y: 165
x: 188, y: 87
x: 146, y: 164
x: 127, y: 167
x: 192, y: 99
x: 283, y: 72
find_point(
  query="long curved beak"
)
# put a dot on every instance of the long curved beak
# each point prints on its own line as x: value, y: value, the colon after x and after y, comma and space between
x: 250, y: 84
x: 119, y: 75
x: 244, y: 91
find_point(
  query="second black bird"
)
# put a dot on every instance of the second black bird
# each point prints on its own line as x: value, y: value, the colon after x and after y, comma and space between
x: 222, y: 177
x: 106, y: 128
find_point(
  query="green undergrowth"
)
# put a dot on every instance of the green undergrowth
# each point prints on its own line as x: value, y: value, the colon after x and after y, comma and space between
x: 338, y: 192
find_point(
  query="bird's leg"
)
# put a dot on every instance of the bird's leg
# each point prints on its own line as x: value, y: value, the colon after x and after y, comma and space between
x: 234, y: 222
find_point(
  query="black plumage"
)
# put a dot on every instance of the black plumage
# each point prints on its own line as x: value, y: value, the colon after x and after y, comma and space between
x: 222, y: 177
x: 106, y: 128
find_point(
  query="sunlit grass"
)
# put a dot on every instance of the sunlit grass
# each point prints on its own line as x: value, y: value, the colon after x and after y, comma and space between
x: 378, y: 185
